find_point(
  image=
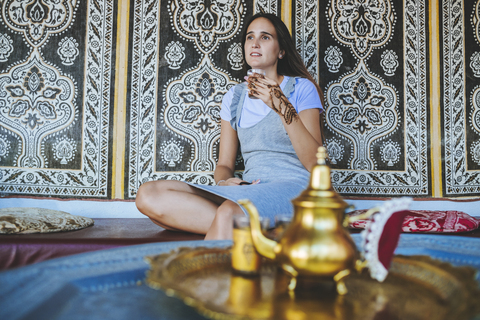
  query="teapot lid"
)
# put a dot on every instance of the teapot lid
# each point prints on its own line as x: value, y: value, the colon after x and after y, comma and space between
x: 320, y: 192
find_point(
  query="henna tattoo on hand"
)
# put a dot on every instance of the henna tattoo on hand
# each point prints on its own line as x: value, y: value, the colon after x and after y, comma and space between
x: 281, y: 105
x: 252, y: 81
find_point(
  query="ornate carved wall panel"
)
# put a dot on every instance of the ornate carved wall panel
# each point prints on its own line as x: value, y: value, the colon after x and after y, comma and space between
x: 184, y: 56
x: 56, y: 72
x: 305, y: 33
x: 371, y: 57
x: 373, y: 63
x: 460, y: 30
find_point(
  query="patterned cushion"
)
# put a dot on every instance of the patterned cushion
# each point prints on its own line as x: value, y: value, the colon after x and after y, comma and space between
x: 429, y: 221
x: 38, y: 220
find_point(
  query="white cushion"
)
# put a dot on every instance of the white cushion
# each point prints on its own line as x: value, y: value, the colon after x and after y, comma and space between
x: 39, y: 220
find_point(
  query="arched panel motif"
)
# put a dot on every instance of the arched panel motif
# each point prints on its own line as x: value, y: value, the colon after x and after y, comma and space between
x: 56, y: 97
x: 375, y: 78
x: 370, y: 57
x: 461, y: 99
x: 179, y: 74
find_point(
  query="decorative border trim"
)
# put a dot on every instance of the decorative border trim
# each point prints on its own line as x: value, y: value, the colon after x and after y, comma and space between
x: 388, y: 183
x: 144, y: 95
x: 93, y: 179
x: 457, y: 179
x: 306, y: 34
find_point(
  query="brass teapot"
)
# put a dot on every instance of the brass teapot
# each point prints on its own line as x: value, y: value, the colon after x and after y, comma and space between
x: 316, y: 243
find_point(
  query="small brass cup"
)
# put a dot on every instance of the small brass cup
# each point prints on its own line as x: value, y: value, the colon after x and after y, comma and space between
x: 282, y: 221
x: 245, y: 259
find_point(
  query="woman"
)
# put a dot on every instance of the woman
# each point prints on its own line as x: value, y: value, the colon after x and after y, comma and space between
x: 279, y: 133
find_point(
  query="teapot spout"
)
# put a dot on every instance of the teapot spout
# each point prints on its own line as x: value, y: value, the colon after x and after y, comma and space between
x: 263, y: 245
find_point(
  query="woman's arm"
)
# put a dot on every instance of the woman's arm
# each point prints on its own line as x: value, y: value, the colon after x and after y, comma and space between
x: 304, y: 133
x: 303, y: 129
x: 227, y: 156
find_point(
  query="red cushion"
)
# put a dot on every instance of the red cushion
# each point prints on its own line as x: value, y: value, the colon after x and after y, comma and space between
x: 429, y: 221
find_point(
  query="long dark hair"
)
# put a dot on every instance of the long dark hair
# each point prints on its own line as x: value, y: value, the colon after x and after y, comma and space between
x: 291, y: 64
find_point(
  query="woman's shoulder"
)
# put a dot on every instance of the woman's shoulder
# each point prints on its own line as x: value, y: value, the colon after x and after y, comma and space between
x: 227, y: 100
x: 240, y: 84
x: 303, y: 86
x: 304, y: 82
x: 305, y: 95
x: 232, y: 89
x: 237, y: 86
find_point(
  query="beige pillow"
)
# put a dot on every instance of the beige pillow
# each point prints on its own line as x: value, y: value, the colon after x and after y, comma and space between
x: 38, y: 220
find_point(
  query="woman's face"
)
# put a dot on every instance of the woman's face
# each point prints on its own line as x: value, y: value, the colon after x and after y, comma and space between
x: 262, y: 49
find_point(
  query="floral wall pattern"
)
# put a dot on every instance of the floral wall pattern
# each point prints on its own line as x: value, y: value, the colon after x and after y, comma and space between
x: 186, y: 55
x: 460, y: 29
x: 57, y: 75
x: 56, y: 97
x: 375, y: 73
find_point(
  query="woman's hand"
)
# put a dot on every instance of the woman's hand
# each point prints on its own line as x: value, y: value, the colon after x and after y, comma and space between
x: 270, y: 93
x: 236, y: 182
x: 303, y: 129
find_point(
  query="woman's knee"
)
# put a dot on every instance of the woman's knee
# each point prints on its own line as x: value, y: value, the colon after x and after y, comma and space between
x: 227, y: 209
x: 148, y: 195
x: 142, y: 197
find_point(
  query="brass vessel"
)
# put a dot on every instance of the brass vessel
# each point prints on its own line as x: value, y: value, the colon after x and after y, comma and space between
x: 315, y: 244
x: 418, y: 287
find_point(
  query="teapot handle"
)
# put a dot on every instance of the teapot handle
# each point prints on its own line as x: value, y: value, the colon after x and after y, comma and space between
x: 362, y: 216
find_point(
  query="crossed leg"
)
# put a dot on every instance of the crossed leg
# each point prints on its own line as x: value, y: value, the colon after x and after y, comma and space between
x: 176, y: 206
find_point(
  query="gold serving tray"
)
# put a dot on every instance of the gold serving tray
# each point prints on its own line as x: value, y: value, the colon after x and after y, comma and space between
x: 417, y: 287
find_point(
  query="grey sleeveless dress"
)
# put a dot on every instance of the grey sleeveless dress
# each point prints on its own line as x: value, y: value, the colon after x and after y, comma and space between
x: 269, y: 156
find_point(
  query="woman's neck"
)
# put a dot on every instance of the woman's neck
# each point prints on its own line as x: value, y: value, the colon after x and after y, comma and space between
x: 274, y: 76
